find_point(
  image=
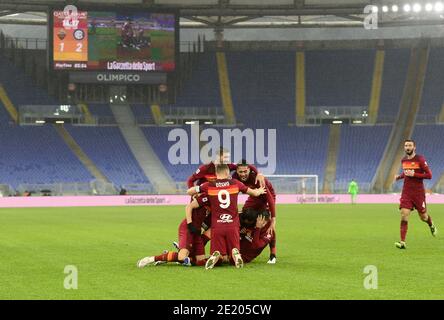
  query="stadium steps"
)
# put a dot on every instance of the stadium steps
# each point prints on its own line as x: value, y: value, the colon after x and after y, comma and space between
x: 404, y: 125
x: 225, y: 90
x: 439, y: 185
x: 300, y: 88
x: 441, y: 115
x: 332, y: 157
x: 157, y: 114
x: 85, y: 110
x: 143, y: 152
x: 375, y: 96
x: 9, y: 106
x: 80, y: 154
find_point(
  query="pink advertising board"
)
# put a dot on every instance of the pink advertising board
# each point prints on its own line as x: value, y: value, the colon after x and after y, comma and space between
x: 155, y: 200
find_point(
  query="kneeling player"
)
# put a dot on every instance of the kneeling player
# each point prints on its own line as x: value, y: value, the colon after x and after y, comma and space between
x: 264, y: 202
x: 191, y: 242
x: 254, y: 233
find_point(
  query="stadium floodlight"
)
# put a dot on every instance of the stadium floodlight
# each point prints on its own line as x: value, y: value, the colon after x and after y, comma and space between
x: 375, y: 9
x: 407, y: 7
x: 327, y: 112
x: 385, y: 9
x: 417, y: 7
x: 395, y: 8
x: 439, y: 7
x: 428, y: 7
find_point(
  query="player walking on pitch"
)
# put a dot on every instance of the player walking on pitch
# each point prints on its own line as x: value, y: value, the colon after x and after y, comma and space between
x: 353, y: 190
x: 415, y: 169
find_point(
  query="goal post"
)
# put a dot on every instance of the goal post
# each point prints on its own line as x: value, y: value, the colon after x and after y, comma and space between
x: 304, y: 186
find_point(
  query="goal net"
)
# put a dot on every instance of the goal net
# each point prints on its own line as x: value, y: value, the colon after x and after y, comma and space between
x: 305, y: 188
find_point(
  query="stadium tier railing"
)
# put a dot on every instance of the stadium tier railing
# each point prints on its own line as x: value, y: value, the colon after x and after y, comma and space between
x: 180, y: 115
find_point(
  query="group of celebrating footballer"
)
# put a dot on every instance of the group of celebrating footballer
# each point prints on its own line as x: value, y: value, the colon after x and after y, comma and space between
x: 236, y: 237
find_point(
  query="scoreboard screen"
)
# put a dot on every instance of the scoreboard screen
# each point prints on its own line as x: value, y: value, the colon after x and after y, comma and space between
x: 113, y: 40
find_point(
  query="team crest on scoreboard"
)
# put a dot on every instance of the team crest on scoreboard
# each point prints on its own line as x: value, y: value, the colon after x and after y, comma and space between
x: 61, y: 34
x: 79, y: 34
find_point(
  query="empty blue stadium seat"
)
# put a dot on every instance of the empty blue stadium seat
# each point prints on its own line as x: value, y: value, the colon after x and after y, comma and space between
x: 107, y: 148
x: 37, y: 154
x: 360, y: 151
x: 430, y: 144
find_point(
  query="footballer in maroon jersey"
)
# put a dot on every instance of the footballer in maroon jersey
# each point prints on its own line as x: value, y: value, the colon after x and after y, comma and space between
x: 414, y: 170
x: 254, y: 234
x: 264, y: 202
x: 207, y: 172
x: 223, y: 197
x: 191, y: 241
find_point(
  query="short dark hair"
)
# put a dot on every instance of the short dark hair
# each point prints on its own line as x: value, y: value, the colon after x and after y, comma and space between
x: 410, y: 140
x: 243, y: 163
x: 248, y: 217
x: 265, y: 214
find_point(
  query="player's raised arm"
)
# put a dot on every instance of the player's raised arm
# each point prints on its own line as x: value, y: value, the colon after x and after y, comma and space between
x: 203, y: 188
x: 189, y: 214
x: 193, y: 190
x: 256, y: 192
x: 200, y: 173
x: 260, y: 237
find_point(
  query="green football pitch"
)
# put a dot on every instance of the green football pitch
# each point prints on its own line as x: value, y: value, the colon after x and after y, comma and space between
x: 322, y: 253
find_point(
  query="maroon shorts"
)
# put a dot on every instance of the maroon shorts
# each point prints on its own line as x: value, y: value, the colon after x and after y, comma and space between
x: 224, y: 240
x: 412, y: 202
x: 192, y: 242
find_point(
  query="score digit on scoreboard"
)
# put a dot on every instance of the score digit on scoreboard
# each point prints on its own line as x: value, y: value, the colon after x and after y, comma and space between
x: 70, y: 40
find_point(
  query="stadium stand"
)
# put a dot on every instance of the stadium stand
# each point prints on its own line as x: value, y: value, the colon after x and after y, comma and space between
x: 432, y: 96
x: 393, y: 80
x: 202, y: 89
x: 361, y: 149
x: 430, y: 143
x: 262, y: 83
x: 339, y: 78
x: 20, y: 88
x: 107, y: 148
x: 36, y: 154
x: 142, y: 113
x: 102, y: 110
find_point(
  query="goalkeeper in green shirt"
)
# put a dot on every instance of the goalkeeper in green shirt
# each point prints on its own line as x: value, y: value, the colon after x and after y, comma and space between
x: 353, y: 189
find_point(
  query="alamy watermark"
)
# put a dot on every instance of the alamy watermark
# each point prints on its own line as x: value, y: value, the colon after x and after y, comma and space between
x: 72, y: 278
x: 371, y: 19
x: 371, y: 279
x: 198, y: 146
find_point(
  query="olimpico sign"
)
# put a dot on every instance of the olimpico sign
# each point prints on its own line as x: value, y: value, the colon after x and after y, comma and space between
x: 104, y: 77
x: 117, y: 77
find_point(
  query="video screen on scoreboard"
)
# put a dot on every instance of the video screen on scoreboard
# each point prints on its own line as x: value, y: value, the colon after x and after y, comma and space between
x: 113, y: 41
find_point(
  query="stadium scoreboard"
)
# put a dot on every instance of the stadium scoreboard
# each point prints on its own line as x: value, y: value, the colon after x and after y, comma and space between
x: 120, y: 40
